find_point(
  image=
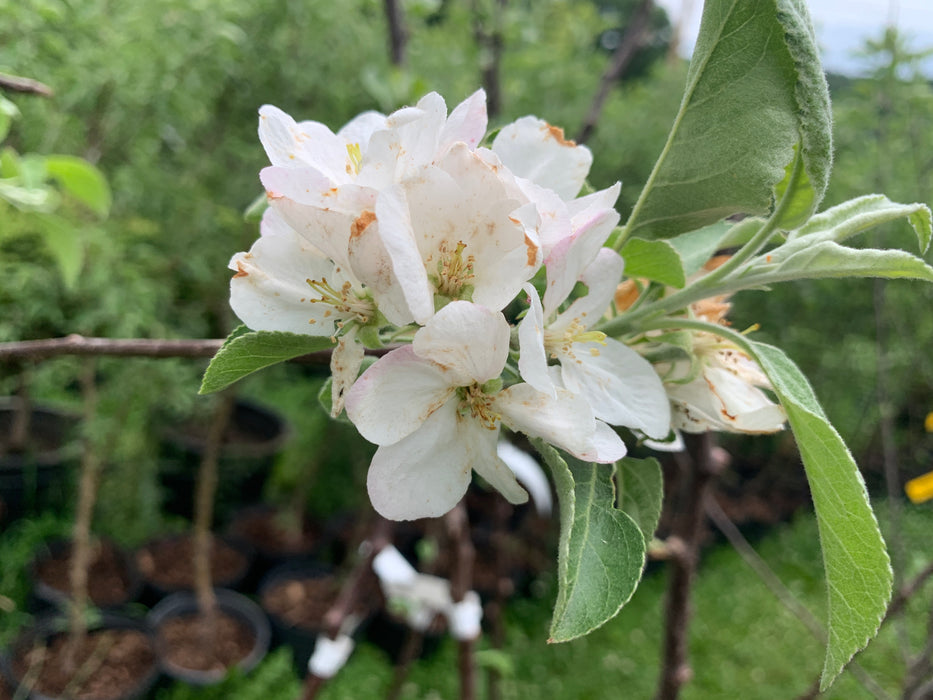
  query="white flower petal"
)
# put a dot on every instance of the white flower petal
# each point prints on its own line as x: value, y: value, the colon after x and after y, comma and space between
x: 290, y: 144
x: 424, y: 475
x: 470, y: 340
x: 398, y: 239
x: 719, y: 400
x: 532, y: 360
x: 359, y: 129
x: 601, y: 277
x: 270, y: 292
x: 533, y: 149
x: 565, y: 420
x: 486, y: 462
x: 395, y: 396
x: 467, y: 122
x: 620, y: 385
x: 607, y: 445
x: 530, y: 474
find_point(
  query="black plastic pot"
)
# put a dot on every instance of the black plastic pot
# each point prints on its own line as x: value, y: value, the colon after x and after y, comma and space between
x: 253, y: 438
x: 44, y: 595
x: 39, y: 477
x: 300, y: 636
x: 47, y: 630
x: 155, y: 590
x: 230, y: 603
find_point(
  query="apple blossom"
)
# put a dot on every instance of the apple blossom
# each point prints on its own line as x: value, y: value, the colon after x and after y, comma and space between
x: 435, y: 409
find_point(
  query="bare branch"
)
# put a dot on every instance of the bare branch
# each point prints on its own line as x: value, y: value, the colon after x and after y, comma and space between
x: 16, y: 83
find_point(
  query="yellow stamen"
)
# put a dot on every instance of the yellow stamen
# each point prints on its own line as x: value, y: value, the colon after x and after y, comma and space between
x: 356, y: 157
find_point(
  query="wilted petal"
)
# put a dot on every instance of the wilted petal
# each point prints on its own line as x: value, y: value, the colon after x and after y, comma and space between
x: 470, y: 340
x: 425, y: 474
x: 719, y: 400
x: 395, y: 396
x: 345, y: 362
x: 533, y: 149
x: 620, y: 385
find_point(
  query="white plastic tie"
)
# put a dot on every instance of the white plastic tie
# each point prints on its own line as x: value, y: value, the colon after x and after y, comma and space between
x: 330, y: 655
x: 464, y: 617
x: 392, y: 568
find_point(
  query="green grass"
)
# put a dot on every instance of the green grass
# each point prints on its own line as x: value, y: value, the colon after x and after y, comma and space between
x: 743, y: 642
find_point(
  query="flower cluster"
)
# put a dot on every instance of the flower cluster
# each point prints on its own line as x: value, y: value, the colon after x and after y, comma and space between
x: 480, y: 266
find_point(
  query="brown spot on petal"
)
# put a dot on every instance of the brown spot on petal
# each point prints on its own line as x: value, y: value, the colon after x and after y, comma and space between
x: 361, y: 224
x: 556, y: 133
x: 532, y: 251
x: 271, y: 195
x: 240, y: 271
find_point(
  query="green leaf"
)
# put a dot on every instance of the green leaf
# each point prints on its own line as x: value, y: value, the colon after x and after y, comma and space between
x: 857, y: 215
x: 755, y: 89
x: 827, y: 259
x: 655, y: 260
x: 246, y: 351
x: 802, y: 198
x: 256, y: 208
x: 601, y: 552
x: 65, y: 241
x: 697, y: 247
x: 8, y: 112
x: 858, y: 570
x: 641, y: 492
x: 82, y: 181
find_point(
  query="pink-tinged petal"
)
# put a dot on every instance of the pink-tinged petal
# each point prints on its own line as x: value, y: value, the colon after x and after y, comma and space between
x: 565, y: 421
x: 583, y: 208
x: 270, y: 292
x: 620, y: 385
x: 290, y: 144
x: 274, y: 225
x: 398, y: 238
x: 554, y: 224
x: 359, y: 129
x: 566, y: 263
x: 533, y: 149
x: 425, y: 474
x: 395, y: 396
x: 345, y: 362
x: 532, y: 360
x: 486, y: 462
x: 601, y: 277
x: 304, y: 185
x: 607, y: 446
x: 472, y: 341
x: 467, y: 122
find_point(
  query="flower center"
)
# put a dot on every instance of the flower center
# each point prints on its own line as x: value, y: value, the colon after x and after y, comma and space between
x: 559, y: 343
x: 477, y: 404
x: 454, y: 272
x: 344, y: 300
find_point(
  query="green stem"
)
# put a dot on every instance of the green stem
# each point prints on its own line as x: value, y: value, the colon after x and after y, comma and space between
x: 722, y: 280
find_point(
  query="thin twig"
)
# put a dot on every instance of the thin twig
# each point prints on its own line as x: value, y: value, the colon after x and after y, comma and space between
x: 701, y: 466
x: 458, y: 529
x: 17, y: 83
x: 75, y: 344
x: 784, y: 595
x: 631, y: 41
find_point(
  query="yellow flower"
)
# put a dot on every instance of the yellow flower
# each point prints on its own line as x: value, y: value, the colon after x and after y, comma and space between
x: 920, y: 489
